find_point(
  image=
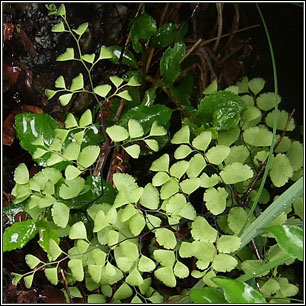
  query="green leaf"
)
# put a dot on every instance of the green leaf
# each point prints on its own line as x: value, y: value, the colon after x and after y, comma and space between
x: 65, y: 99
x: 212, y: 87
x: 160, y: 178
x: 135, y: 129
x: 235, y: 173
x: 221, y: 109
x: 81, y: 29
x: 28, y: 280
x: 188, y: 186
x: 281, y: 121
x: 238, y: 292
x: 229, y: 137
x: 116, y: 80
x: 32, y: 261
x: 224, y: 263
x: 70, y: 121
x: 266, y: 101
x: 117, y: 133
x: 78, y: 231
x: 136, y: 300
x: 150, y: 197
x: 170, y: 67
x: 228, y: 243
x: 72, y: 172
x: 216, y: 155
x: 99, y: 256
x: 133, y: 150
x: 170, y: 188
x: 161, y: 164
x: 77, y: 83
x: 133, y: 82
x: 152, y: 144
x: 207, y: 295
x: 215, y: 200
x: 146, y: 115
x: 50, y: 93
x: 165, y: 36
x: 21, y: 174
x: 166, y: 276
x: 281, y: 170
x: 165, y: 238
x: 237, y: 154
x: 202, y: 141
x: 95, y: 272
x: 181, y: 136
x: 76, y: 268
x: 54, y: 250
x: 287, y: 289
x: 102, y: 90
x: 181, y: 270
x: 89, y: 58
x: 137, y: 223
x: 134, y: 278
x: 96, y: 299
x: 39, y: 153
x: 72, y: 151
x: 295, y: 155
x: 149, y: 97
x: 105, y: 53
x: 61, y: 10
x: 60, y: 214
x: 165, y: 257
x: 125, y: 95
x: 157, y: 130
x: 146, y: 264
x: 258, y: 136
x: 256, y: 85
x: 67, y: 55
x: 71, y: 188
x: 88, y: 156
x: 179, y: 168
x: 289, y: 239
x: 16, y: 278
x: 144, y: 26
x: 51, y: 275
x: 30, y: 126
x: 196, y: 164
x: 207, y: 181
x: 18, y: 235
x: 202, y: 230
x: 58, y: 28
x: 128, y: 58
x: 182, y: 152
x: 123, y: 292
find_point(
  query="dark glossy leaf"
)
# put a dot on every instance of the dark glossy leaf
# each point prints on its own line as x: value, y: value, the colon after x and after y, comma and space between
x: 170, y: 62
x: 143, y: 27
x: 128, y: 57
x: 18, y: 235
x: 221, y: 109
x: 207, y: 295
x: 183, y: 89
x: 289, y: 239
x: 149, y: 97
x: 239, y: 292
x: 29, y: 126
x: 146, y: 115
x: 46, y: 232
x: 165, y: 36
x: 96, y: 190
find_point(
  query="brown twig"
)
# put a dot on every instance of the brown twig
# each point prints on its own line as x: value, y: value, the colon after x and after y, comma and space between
x: 66, y: 286
x: 220, y: 25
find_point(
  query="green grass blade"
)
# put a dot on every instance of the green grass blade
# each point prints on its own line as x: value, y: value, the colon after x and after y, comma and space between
x: 274, y: 210
x: 274, y: 123
x: 266, y: 267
